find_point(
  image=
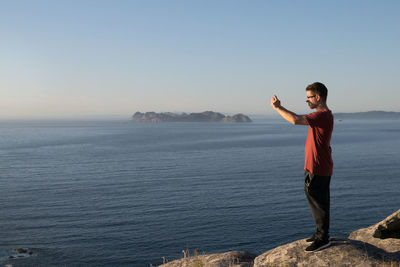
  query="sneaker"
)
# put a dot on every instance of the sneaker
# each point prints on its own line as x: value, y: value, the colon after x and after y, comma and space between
x: 311, y: 239
x: 318, y: 245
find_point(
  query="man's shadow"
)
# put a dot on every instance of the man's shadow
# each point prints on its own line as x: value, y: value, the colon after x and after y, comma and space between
x: 370, y: 250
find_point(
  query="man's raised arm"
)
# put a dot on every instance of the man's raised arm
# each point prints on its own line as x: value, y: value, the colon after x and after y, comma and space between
x: 287, y: 114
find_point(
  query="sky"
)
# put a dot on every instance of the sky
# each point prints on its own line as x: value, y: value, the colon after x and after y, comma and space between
x: 112, y: 58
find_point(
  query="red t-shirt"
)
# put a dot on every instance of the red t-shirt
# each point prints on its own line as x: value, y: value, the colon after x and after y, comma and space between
x: 318, y: 152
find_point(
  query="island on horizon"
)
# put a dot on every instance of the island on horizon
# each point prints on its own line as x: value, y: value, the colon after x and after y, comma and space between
x: 374, y: 114
x: 206, y: 116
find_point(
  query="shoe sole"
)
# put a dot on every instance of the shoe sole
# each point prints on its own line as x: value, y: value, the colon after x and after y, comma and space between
x: 320, y: 248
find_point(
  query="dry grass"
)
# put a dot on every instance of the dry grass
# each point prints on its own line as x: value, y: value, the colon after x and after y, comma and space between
x: 197, y: 260
x: 190, y: 261
x: 390, y: 264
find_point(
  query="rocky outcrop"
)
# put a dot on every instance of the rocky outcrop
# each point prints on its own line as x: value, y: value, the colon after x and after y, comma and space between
x: 207, y: 116
x: 377, y: 245
x: 20, y: 253
x: 384, y: 235
x: 343, y: 252
x: 237, y: 118
x: 389, y: 227
x: 231, y: 259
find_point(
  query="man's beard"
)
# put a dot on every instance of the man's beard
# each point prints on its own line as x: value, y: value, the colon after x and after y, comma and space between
x: 311, y: 105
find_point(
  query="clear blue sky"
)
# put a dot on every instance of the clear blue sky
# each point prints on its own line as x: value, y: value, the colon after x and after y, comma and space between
x: 80, y: 58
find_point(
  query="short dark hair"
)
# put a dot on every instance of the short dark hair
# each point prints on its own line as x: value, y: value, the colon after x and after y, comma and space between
x: 318, y: 88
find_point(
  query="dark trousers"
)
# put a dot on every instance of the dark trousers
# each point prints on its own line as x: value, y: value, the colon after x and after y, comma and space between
x: 317, y: 192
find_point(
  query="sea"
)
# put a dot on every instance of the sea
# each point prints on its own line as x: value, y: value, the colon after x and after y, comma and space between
x: 119, y: 193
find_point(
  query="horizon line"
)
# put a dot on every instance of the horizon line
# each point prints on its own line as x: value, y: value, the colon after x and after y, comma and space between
x: 99, y: 117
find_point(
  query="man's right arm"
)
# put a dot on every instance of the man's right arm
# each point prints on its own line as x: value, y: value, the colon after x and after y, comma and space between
x: 287, y: 114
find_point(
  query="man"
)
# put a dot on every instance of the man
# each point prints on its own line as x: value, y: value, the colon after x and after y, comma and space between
x: 318, y: 160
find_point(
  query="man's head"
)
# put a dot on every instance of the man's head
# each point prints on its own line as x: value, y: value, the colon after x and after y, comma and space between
x: 317, y: 94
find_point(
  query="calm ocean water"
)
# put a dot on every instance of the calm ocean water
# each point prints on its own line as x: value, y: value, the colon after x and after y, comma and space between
x: 126, y: 194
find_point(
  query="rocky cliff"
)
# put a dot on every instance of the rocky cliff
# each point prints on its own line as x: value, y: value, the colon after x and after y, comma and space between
x: 377, y: 245
x: 207, y: 116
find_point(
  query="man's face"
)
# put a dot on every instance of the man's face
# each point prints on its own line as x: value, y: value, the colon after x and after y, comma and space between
x: 312, y: 99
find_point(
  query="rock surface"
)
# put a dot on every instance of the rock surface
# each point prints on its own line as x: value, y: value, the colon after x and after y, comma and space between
x: 388, y: 231
x: 389, y: 227
x: 207, y: 116
x: 18, y: 253
x: 361, y: 249
x: 231, y: 259
x: 342, y: 252
x: 21, y: 250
